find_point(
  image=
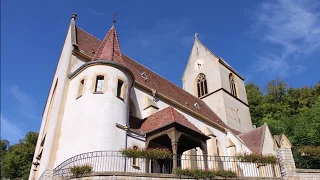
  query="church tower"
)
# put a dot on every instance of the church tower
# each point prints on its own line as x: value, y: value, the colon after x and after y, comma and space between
x: 87, y: 100
x: 208, y: 77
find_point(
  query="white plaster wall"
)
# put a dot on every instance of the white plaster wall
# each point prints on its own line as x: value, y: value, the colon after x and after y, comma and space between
x: 76, y: 62
x: 210, y: 69
x: 90, y: 121
x: 61, y: 74
x: 268, y: 143
x: 216, y: 103
x: 135, y: 142
x: 224, y: 75
x: 240, y: 120
x: 137, y: 97
x: 220, y: 136
x: 240, y: 147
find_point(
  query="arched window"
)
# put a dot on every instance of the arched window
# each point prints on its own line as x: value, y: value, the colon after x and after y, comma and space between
x: 202, y: 85
x: 232, y: 85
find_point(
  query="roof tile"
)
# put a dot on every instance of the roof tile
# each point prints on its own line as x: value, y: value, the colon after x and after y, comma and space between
x: 165, y: 117
x: 109, y: 48
x: 253, y: 139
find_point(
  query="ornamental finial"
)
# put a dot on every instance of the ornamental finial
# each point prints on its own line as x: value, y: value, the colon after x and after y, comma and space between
x: 74, y: 16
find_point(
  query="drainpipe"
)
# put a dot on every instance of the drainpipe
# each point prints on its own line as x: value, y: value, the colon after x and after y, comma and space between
x: 126, y: 128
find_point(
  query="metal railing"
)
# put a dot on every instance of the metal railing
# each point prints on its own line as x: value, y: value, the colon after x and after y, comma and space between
x: 114, y: 161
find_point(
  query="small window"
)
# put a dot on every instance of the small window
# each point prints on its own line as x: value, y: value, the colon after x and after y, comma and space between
x: 233, y: 89
x: 119, y: 89
x: 80, y: 90
x: 202, y: 85
x: 99, y: 84
x: 43, y: 140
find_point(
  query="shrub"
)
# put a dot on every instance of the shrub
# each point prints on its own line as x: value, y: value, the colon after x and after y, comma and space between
x: 257, y: 158
x: 150, y: 153
x: 225, y: 173
x: 310, y: 151
x: 158, y: 153
x: 201, y: 174
x: 133, y: 153
x: 81, y: 169
x: 307, y: 157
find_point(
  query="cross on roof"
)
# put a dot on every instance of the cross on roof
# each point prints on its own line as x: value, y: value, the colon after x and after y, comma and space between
x: 114, y: 17
x: 195, y: 35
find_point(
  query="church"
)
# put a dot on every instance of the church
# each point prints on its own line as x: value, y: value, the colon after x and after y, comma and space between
x: 103, y: 100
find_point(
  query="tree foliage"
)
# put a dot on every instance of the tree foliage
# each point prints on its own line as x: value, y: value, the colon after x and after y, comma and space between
x: 16, y: 159
x: 292, y: 111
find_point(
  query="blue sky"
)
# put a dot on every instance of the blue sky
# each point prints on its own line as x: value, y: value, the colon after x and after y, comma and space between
x: 262, y: 40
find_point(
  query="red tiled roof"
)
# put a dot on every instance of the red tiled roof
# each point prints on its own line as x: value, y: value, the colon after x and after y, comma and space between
x: 253, y: 139
x: 87, y: 42
x: 109, y: 48
x: 165, y: 117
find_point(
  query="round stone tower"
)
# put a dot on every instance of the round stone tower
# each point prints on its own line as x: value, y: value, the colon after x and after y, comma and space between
x: 97, y: 101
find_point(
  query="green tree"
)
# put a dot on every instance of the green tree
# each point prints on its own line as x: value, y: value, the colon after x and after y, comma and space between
x: 4, y: 147
x: 307, y: 128
x: 255, y: 101
x: 18, y: 158
x: 306, y: 132
x: 316, y: 89
x: 293, y: 111
x: 275, y: 106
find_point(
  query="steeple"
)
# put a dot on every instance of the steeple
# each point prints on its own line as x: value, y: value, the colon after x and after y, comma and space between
x: 109, y: 48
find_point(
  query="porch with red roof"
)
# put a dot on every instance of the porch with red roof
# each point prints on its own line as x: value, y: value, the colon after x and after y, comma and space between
x: 170, y: 129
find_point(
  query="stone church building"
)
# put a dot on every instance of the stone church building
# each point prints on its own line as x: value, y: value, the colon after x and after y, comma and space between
x: 101, y: 99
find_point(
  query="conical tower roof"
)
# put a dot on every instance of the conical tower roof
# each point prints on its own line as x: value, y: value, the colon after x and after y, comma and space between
x: 109, y: 48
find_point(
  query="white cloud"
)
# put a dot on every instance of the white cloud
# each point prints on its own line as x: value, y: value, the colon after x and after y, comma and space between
x: 24, y: 104
x: 10, y: 131
x: 293, y: 27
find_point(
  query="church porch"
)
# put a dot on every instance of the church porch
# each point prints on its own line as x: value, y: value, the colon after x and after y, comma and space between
x: 178, y: 139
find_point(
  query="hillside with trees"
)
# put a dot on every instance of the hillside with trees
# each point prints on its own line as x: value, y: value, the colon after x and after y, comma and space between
x: 16, y: 159
x: 292, y: 111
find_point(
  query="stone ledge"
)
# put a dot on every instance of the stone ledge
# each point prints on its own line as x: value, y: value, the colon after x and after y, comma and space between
x: 131, y: 174
x: 128, y: 175
x: 308, y: 170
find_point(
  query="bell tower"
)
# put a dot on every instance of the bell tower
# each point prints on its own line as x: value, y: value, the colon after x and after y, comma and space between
x: 208, y: 77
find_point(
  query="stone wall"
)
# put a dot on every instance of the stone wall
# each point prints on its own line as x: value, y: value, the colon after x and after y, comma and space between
x: 288, y: 168
x: 308, y: 174
x: 287, y: 164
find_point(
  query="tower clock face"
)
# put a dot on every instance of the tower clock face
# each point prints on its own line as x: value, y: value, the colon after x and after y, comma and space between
x: 198, y: 64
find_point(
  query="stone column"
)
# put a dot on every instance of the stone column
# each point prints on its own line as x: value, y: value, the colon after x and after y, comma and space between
x: 174, y: 152
x: 205, y: 154
x: 147, y: 168
x: 174, y: 136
